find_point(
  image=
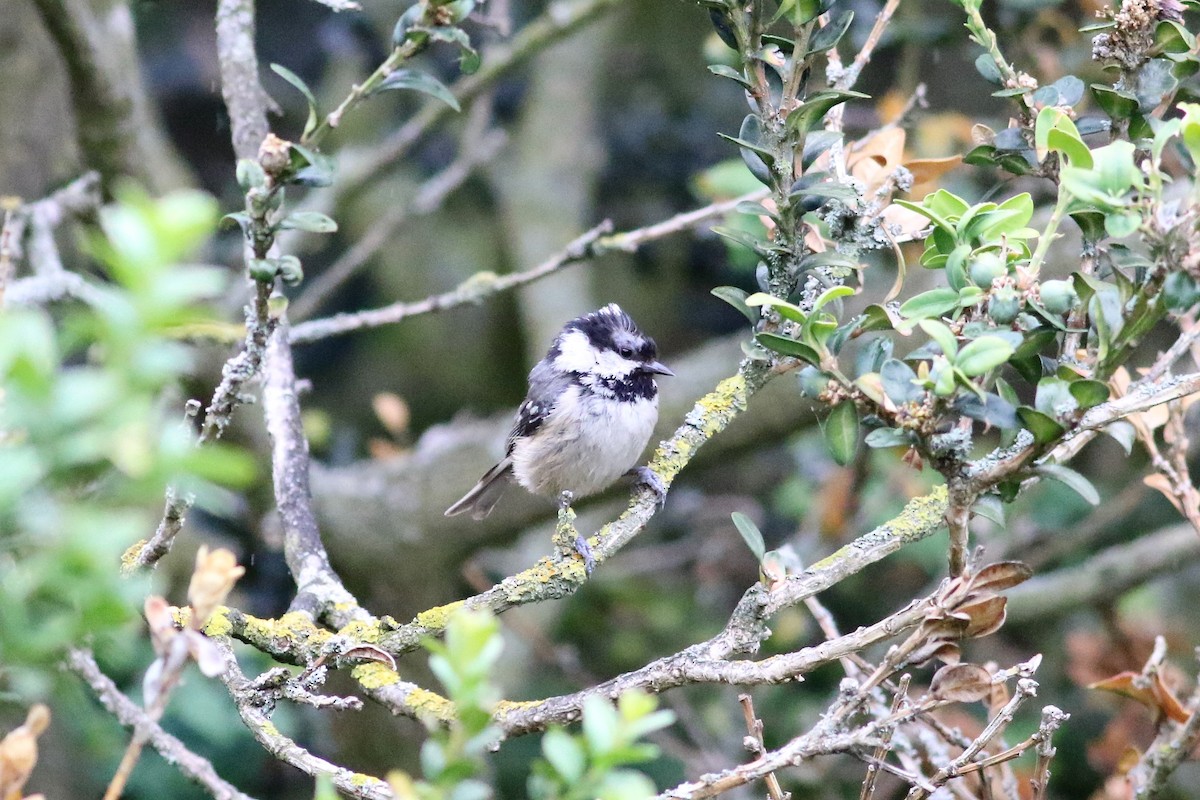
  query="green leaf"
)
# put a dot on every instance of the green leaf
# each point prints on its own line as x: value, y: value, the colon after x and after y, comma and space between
x: 933, y: 303
x: 942, y: 335
x: 1089, y: 393
x: 809, y: 114
x: 1123, y: 433
x: 899, y: 382
x: 989, y: 506
x: 1071, y: 479
x: 1055, y: 131
x: 565, y: 754
x: 887, y: 437
x: 785, y: 309
x: 985, y: 65
x: 310, y: 221
x: 1180, y: 292
x: 788, y: 347
x: 1117, y: 104
x: 751, y: 535
x: 737, y: 298
x: 419, y: 81
x: 1044, y: 429
x: 983, y: 354
x: 294, y: 79
x: 990, y: 409
x: 726, y: 71
x: 601, y: 725
x: 831, y: 294
x: 828, y: 37
x: 841, y: 432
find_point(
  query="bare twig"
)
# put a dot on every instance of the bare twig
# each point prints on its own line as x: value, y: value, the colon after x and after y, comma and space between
x: 877, y: 762
x: 597, y: 241
x: 1026, y: 688
x: 754, y: 741
x: 850, y: 76
x: 194, y: 767
x: 472, y: 290
x: 428, y: 198
x: 254, y: 707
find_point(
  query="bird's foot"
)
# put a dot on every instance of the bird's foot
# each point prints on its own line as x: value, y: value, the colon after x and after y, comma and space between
x: 585, y: 551
x: 567, y: 538
x: 649, y: 478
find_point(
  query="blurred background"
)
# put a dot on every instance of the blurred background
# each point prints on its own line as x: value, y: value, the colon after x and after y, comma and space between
x: 617, y: 120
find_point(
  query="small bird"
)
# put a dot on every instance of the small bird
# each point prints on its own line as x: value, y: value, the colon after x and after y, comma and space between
x: 591, y: 407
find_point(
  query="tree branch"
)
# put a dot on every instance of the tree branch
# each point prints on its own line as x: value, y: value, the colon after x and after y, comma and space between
x: 130, y: 715
x: 593, y: 243
x: 318, y: 588
x: 244, y: 95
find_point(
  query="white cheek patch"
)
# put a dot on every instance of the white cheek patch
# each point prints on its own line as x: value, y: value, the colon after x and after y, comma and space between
x: 576, y: 353
x: 612, y: 365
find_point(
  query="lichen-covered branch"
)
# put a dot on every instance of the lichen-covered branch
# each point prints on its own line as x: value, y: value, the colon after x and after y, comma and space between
x: 255, y: 713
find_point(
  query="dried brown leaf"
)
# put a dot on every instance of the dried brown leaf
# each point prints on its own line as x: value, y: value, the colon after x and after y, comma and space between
x: 1149, y: 690
x: 1000, y: 576
x: 369, y: 652
x: 961, y: 683
x: 986, y: 616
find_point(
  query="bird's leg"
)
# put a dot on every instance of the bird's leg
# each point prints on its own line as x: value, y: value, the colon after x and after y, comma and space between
x: 644, y: 476
x: 568, y: 533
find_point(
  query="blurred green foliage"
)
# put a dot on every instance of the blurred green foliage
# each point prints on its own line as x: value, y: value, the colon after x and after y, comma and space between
x: 92, y: 432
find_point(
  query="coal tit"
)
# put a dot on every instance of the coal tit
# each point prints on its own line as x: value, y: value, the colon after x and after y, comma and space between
x: 591, y: 407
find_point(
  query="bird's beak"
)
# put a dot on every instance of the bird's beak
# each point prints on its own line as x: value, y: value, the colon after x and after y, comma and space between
x: 658, y: 368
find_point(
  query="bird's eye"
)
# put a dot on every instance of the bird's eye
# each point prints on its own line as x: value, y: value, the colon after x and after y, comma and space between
x: 626, y: 352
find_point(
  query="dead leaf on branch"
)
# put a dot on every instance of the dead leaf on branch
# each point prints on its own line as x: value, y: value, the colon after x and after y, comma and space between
x: 961, y: 683
x: 1149, y: 690
x: 19, y: 752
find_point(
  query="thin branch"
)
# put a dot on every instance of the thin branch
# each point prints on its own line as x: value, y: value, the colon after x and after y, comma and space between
x: 244, y: 95
x: 1170, y: 747
x: 1026, y: 688
x: 754, y: 729
x: 318, y: 588
x: 472, y: 290
x: 877, y: 762
x: 850, y: 76
x: 593, y: 243
x: 428, y: 198
x: 130, y: 715
x: 558, y: 21
x: 254, y: 709
x: 39, y: 290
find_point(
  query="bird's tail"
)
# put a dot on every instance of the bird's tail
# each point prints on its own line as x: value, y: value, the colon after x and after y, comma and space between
x: 483, y: 498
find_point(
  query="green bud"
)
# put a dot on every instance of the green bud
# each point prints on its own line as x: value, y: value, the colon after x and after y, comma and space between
x: 410, y: 18
x: 250, y: 174
x: 1004, y: 305
x: 262, y: 269
x: 1058, y: 296
x: 986, y: 267
x: 812, y: 381
x: 290, y: 270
